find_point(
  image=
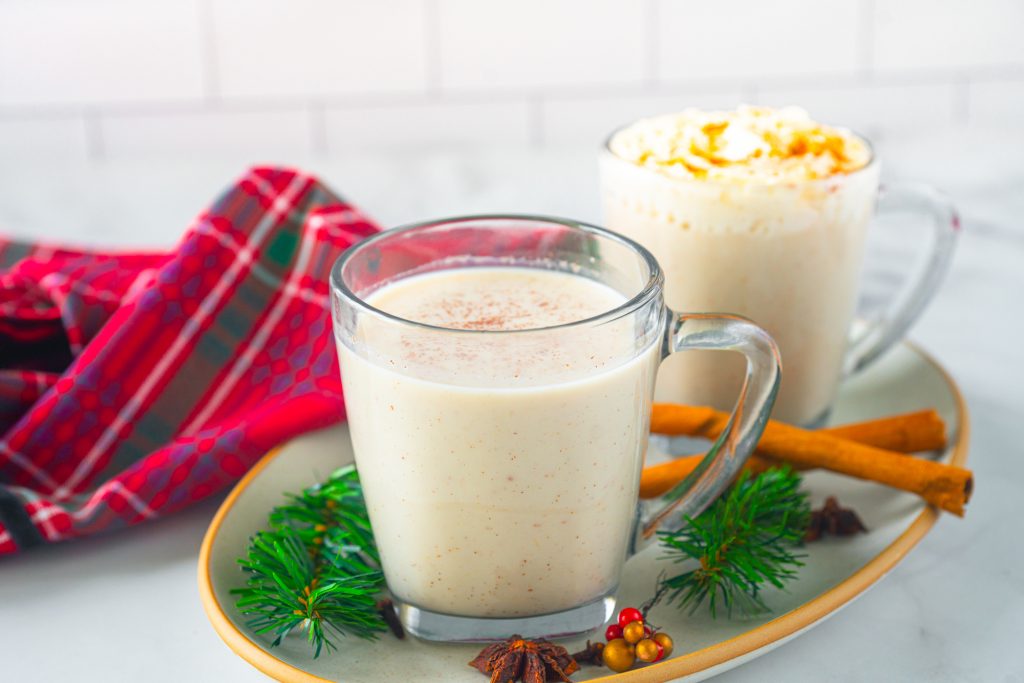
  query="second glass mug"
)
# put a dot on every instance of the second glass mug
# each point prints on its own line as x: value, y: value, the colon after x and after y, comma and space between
x: 787, y: 254
x: 501, y: 468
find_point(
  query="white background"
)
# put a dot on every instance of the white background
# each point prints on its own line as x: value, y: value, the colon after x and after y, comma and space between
x: 287, y: 79
x: 120, y: 120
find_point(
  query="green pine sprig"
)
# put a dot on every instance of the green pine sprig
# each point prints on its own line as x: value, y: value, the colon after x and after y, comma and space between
x: 316, y: 569
x: 741, y: 544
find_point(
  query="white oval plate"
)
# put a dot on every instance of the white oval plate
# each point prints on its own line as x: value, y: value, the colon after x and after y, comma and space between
x: 836, y: 571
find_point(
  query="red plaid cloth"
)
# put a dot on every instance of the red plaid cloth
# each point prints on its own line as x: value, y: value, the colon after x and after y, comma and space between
x: 134, y: 384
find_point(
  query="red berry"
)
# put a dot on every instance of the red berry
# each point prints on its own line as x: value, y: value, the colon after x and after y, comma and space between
x: 661, y: 652
x: 628, y: 615
x: 612, y: 632
x: 648, y: 631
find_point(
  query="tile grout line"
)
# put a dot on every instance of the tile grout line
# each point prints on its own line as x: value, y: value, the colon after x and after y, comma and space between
x: 1001, y: 73
x: 867, y: 38
x: 653, y: 44
x: 432, y: 45
x: 1004, y: 74
x: 208, y: 33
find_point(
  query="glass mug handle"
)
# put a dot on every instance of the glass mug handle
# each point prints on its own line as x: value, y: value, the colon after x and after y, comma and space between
x: 730, y: 451
x: 892, y: 325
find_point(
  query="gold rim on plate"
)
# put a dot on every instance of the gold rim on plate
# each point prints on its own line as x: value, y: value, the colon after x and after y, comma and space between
x: 775, y: 631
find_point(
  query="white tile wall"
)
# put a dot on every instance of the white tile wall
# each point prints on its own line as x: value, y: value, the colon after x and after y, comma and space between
x: 428, y: 125
x: 948, y: 33
x: 997, y: 104
x: 589, y: 120
x: 877, y: 111
x: 48, y: 138
x: 541, y: 43
x: 255, y: 79
x: 56, y: 52
x: 259, y: 136
x: 745, y: 39
x: 296, y: 48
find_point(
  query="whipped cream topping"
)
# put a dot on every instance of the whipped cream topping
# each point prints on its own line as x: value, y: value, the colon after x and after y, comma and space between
x: 751, y: 144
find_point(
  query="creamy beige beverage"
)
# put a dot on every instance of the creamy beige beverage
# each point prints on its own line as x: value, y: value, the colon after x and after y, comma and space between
x: 509, y: 490
x: 758, y: 212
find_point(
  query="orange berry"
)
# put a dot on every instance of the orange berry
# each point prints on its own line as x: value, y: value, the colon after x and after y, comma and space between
x: 618, y: 655
x: 665, y: 640
x: 647, y: 650
x: 633, y: 632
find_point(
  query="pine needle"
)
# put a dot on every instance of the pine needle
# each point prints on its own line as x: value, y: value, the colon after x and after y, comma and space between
x: 742, y: 543
x: 316, y: 569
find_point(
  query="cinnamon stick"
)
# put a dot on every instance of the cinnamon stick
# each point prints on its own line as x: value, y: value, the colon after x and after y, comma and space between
x: 659, y: 479
x: 945, y: 486
x: 923, y: 430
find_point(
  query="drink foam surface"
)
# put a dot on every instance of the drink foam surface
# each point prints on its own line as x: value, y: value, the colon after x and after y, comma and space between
x: 496, y: 299
x: 746, y: 145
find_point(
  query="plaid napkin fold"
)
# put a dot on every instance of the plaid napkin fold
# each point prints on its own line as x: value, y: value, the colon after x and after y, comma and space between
x: 134, y: 384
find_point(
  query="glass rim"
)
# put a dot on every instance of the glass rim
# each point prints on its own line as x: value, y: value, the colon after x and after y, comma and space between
x: 651, y: 288
x: 606, y: 148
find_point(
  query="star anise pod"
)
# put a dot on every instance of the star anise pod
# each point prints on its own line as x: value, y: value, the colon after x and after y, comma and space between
x: 530, y: 661
x: 833, y: 519
x: 591, y: 654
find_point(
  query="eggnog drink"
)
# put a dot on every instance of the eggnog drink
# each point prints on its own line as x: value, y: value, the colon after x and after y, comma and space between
x: 501, y: 479
x: 757, y: 212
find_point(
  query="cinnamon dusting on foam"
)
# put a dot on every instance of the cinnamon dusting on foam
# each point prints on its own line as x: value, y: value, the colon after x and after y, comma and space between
x: 751, y: 144
x: 498, y: 299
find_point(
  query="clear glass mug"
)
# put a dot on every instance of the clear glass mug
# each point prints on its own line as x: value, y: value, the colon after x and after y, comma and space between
x: 501, y: 468
x: 787, y: 255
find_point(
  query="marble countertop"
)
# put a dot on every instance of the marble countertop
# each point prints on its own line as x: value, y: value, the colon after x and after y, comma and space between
x: 125, y: 606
